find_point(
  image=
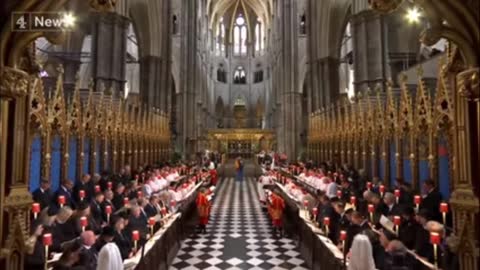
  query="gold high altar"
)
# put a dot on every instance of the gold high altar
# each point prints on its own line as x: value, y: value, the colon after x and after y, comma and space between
x: 241, y: 142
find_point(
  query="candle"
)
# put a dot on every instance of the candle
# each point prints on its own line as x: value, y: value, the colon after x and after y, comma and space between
x: 369, y: 185
x: 434, y: 238
x: 125, y: 201
x: 81, y: 194
x: 35, y: 209
x: 315, y: 211
x: 47, y: 239
x: 97, y: 189
x: 353, y: 201
x: 382, y: 190
x: 135, y: 238
x: 139, y: 194
x: 417, y: 200
x: 185, y: 184
x: 164, y: 211
x: 305, y: 203
x: 444, y: 207
x: 173, y: 203
x: 61, y: 200
x: 435, y: 241
x: 109, y: 185
x: 371, y: 209
x: 151, y: 222
x: 326, y: 223
x: 83, y: 223
x: 397, y: 194
x: 339, y: 194
x: 343, y: 235
x: 108, y: 209
x: 444, y: 211
x: 397, y: 220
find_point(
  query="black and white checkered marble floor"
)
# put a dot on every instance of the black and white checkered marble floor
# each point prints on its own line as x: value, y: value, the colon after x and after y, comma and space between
x: 239, y: 235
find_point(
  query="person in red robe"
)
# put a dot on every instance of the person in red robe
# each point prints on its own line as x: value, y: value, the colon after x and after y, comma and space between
x: 203, y: 207
x: 213, y: 177
x: 277, y: 206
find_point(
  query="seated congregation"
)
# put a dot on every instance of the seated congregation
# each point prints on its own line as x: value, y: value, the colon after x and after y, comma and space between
x: 101, y: 222
x: 372, y: 225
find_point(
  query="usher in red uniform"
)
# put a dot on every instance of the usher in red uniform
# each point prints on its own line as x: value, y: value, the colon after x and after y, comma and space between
x: 276, y: 210
x: 213, y: 177
x: 203, y: 206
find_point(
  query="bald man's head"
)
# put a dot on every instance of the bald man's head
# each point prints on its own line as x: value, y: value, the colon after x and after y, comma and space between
x: 88, y: 238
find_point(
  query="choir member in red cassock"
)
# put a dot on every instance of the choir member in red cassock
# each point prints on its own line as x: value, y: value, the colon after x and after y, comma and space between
x: 203, y: 207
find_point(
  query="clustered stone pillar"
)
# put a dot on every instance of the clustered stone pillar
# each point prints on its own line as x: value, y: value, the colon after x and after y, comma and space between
x: 155, y: 80
x: 369, y: 59
x: 186, y: 104
x: 109, y: 43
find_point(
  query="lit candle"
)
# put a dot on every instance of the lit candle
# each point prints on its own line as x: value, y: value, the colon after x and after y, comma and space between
x: 435, y: 240
x: 353, y: 202
x: 47, y: 241
x: 315, y: 213
x: 371, y: 209
x: 81, y: 194
x: 326, y: 223
x: 139, y: 194
x: 83, y: 223
x: 125, y: 201
x: 151, y: 222
x: 164, y: 211
x: 61, y: 200
x: 108, y: 211
x: 417, y: 200
x: 109, y: 185
x: 397, y: 194
x: 35, y: 209
x: 382, y: 190
x: 397, y: 220
x: 135, y: 238
x: 339, y: 194
x: 444, y: 211
x: 369, y: 185
x: 97, y: 189
x: 343, y: 236
x: 173, y: 203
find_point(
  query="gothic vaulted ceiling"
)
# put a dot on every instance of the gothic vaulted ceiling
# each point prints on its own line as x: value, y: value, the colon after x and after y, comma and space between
x: 219, y: 8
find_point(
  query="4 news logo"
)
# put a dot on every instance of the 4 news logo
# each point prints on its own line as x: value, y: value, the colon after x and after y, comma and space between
x: 42, y: 21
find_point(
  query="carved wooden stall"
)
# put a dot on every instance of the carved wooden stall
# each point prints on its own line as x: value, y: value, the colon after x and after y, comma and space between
x: 405, y: 134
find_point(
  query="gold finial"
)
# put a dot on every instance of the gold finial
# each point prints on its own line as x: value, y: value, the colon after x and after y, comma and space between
x: 403, y: 77
x: 378, y: 88
x: 420, y: 71
x: 60, y: 69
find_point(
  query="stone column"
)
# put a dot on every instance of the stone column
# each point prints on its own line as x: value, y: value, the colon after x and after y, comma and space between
x: 369, y: 54
x: 328, y: 81
x: 154, y: 81
x: 109, y: 41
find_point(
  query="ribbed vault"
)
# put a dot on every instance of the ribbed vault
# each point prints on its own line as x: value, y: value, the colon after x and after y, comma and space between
x: 260, y: 8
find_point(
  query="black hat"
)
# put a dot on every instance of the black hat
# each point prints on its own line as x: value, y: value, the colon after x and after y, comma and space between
x: 82, y: 206
x: 52, y: 210
x: 108, y: 231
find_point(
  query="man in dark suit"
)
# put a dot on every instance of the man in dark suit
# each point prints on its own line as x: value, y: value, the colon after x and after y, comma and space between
x: 108, y: 194
x: 88, y: 253
x: 96, y: 211
x: 151, y: 208
x: 65, y: 190
x: 43, y: 194
x: 409, y: 228
x: 431, y: 200
x: 118, y: 196
x: 390, y: 208
x: 137, y: 221
x: 359, y: 224
x: 121, y: 240
x: 85, y: 185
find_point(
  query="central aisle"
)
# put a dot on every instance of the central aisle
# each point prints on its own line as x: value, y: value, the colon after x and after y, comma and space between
x: 239, y: 235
